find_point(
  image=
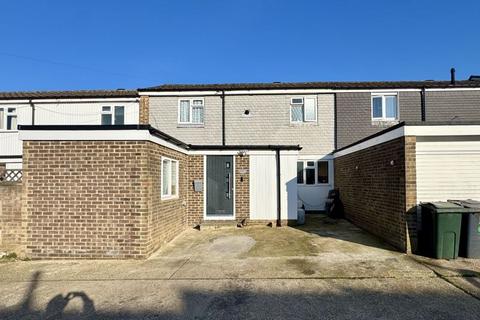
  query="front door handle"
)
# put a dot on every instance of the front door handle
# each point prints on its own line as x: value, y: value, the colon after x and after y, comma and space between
x: 229, y: 194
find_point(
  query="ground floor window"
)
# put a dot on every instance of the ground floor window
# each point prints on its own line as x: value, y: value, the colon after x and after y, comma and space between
x: 311, y: 172
x: 169, y: 178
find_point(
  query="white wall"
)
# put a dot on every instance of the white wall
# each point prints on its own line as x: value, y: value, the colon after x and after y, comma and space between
x: 75, y: 112
x: 448, y: 168
x: 87, y: 113
x: 263, y: 181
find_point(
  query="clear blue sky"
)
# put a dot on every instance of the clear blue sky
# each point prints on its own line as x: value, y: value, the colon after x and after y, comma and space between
x: 87, y: 44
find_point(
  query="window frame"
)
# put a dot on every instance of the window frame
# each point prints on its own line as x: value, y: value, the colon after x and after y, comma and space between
x: 190, y: 100
x: 305, y: 161
x: 114, y: 116
x: 383, y: 95
x: 304, y: 119
x: 177, y: 191
x: 6, y: 115
x: 109, y: 112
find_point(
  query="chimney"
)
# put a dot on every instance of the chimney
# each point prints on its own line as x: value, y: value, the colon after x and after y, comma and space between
x: 452, y: 76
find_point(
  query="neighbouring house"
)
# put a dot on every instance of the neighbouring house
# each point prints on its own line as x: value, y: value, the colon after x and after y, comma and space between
x: 114, y: 174
x: 385, y: 176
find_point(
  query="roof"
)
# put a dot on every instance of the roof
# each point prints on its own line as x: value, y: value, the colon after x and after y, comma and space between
x: 412, y: 124
x: 67, y: 94
x: 316, y: 85
x: 155, y: 132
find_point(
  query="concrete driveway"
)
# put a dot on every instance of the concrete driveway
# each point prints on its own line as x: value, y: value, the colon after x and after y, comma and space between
x: 327, y: 269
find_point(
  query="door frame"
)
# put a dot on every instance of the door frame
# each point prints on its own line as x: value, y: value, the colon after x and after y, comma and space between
x: 229, y: 217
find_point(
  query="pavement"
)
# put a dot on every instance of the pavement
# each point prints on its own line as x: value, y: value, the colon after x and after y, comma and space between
x: 327, y: 269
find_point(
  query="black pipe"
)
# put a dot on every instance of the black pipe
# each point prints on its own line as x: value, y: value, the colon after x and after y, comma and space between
x: 33, y: 112
x: 452, y: 76
x: 422, y: 104
x: 279, y: 202
x: 335, y: 121
x: 223, y: 117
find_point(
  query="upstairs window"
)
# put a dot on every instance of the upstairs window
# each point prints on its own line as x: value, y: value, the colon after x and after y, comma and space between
x: 115, y: 116
x: 8, y: 119
x: 190, y: 111
x: 303, y: 109
x: 169, y: 178
x: 385, y: 107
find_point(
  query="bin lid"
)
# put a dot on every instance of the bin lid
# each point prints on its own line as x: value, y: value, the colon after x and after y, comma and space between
x: 444, y: 207
x: 469, y: 203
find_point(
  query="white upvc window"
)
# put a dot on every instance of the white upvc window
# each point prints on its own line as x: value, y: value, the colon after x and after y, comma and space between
x: 8, y: 118
x: 113, y: 116
x: 303, y: 109
x: 190, y: 111
x: 312, y: 172
x: 169, y: 178
x: 385, y: 106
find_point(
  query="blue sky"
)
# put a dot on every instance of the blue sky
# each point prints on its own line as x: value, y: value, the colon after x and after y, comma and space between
x: 49, y: 45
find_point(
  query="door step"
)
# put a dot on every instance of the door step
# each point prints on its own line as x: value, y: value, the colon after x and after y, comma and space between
x: 217, y: 224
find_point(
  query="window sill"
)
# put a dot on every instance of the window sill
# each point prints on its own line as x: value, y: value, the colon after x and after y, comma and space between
x: 304, y: 123
x: 190, y: 125
x: 313, y: 185
x: 166, y: 198
x: 384, y: 122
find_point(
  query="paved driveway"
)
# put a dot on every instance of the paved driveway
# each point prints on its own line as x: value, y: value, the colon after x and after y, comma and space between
x: 326, y: 269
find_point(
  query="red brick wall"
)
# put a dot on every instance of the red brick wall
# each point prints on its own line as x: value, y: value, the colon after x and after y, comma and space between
x: 12, y: 222
x: 377, y: 192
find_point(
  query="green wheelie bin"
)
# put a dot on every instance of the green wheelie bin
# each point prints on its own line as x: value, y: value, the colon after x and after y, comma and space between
x: 441, y: 227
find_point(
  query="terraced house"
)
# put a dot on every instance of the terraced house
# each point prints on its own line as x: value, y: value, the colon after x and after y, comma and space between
x: 114, y: 174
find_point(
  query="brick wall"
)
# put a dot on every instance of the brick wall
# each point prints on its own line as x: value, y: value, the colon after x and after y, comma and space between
x: 99, y: 199
x: 411, y: 192
x: 242, y: 188
x: 377, y: 188
x: 195, y: 198
x: 12, y: 222
x: 144, y: 111
x: 167, y: 217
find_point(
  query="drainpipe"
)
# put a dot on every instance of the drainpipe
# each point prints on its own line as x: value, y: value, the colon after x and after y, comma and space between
x: 279, y: 202
x: 33, y: 111
x: 223, y: 117
x: 335, y: 121
x: 422, y: 104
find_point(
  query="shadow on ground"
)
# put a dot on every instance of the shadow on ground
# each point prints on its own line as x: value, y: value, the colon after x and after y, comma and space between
x: 278, y: 302
x: 341, y: 229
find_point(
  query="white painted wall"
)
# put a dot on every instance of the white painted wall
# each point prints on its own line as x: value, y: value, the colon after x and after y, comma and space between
x: 448, y: 169
x: 263, y: 192
x: 81, y: 113
x: 76, y: 112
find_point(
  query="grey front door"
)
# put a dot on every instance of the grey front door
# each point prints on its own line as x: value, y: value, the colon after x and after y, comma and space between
x: 219, y: 186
